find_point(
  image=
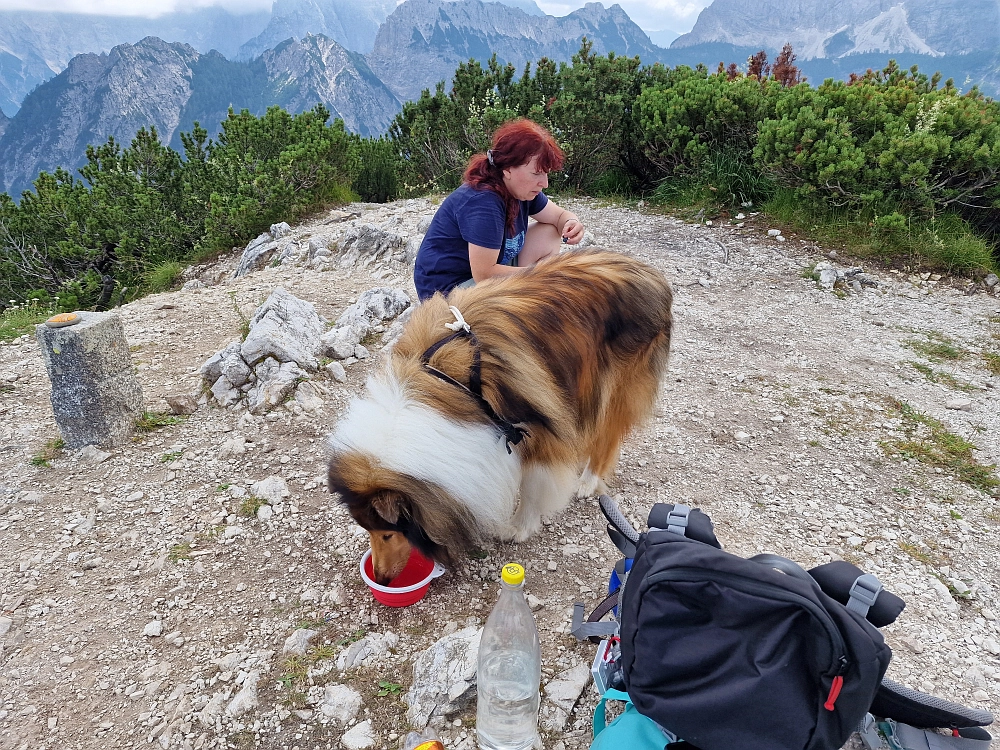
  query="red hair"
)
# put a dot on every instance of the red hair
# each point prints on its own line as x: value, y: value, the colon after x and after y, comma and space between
x: 514, y: 144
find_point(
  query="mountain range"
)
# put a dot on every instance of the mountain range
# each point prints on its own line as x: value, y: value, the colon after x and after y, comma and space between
x: 423, y: 41
x: 36, y: 46
x: 839, y: 28
x: 169, y: 86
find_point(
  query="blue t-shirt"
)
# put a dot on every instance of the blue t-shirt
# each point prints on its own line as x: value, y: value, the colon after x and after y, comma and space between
x: 468, y: 216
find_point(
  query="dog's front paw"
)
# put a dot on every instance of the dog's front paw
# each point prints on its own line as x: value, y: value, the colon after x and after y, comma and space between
x: 590, y: 485
x: 523, y: 535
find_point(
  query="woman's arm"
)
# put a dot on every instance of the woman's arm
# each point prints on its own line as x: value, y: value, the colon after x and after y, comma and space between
x: 484, y: 263
x: 566, y: 222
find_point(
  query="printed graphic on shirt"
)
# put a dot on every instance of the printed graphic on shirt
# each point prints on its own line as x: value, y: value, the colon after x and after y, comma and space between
x: 511, y: 248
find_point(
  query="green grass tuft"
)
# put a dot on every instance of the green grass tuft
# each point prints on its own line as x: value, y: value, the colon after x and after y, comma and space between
x: 153, y: 420
x: 18, y: 320
x: 162, y: 277
x: 930, y: 443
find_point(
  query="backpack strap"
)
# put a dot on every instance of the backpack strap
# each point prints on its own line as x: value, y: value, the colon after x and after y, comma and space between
x: 911, y: 738
x: 594, y: 627
x: 893, y: 735
x: 677, y: 519
x: 863, y: 594
x: 600, y: 717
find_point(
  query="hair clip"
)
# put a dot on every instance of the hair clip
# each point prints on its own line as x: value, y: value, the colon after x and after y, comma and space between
x: 489, y: 157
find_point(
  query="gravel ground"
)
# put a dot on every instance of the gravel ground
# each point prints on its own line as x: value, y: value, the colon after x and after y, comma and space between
x: 142, y: 601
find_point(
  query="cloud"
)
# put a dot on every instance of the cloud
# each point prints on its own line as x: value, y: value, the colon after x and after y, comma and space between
x: 150, y: 8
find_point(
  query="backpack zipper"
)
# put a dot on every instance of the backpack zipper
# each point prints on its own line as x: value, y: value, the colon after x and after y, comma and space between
x: 753, y: 586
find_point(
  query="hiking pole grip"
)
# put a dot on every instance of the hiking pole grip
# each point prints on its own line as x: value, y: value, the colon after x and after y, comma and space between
x: 617, y: 519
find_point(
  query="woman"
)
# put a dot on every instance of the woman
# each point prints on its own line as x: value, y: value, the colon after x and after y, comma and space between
x: 481, y: 230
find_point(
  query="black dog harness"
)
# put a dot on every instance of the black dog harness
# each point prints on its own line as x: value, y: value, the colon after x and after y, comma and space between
x: 513, y: 434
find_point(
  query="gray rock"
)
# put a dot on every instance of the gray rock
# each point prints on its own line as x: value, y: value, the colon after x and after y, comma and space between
x: 308, y: 397
x: 182, y: 403
x: 286, y: 328
x: 153, y: 629
x: 212, y: 710
x: 211, y: 370
x: 235, y: 369
x: 281, y: 229
x: 565, y: 689
x: 412, y: 247
x: 256, y: 254
x: 338, y: 343
x: 298, y: 641
x: 992, y: 280
x: 444, y: 677
x: 359, y: 737
x: 90, y: 454
x: 424, y: 224
x: 367, y: 651
x: 368, y: 241
x: 959, y: 404
x: 246, y: 699
x: 96, y: 396
x: 337, y: 372
x: 193, y: 284
x: 339, y: 704
x: 5, y: 625
x: 272, y: 489
x: 275, y: 383
x: 224, y: 392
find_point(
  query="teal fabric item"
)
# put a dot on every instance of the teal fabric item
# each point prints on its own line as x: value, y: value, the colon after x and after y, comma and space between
x: 631, y: 729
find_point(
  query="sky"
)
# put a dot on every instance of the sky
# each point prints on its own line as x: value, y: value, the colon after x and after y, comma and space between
x: 651, y: 15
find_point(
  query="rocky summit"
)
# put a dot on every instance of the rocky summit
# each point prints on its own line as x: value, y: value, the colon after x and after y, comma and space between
x: 838, y: 28
x: 198, y: 586
x: 351, y: 23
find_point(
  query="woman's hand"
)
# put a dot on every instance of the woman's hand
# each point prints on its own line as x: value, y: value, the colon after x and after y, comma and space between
x: 572, y: 231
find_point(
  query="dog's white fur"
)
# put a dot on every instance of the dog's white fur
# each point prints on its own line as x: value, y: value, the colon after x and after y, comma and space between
x: 403, y: 435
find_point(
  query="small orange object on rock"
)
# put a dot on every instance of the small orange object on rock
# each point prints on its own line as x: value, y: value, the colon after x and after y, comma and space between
x: 62, y: 319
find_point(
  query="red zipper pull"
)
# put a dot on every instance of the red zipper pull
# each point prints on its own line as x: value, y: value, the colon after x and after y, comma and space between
x: 838, y: 683
x: 954, y: 733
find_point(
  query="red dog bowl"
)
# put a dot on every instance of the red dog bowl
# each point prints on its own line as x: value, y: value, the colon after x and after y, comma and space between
x: 406, y: 588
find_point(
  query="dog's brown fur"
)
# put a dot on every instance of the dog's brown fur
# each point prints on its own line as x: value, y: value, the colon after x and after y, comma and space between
x: 573, y: 349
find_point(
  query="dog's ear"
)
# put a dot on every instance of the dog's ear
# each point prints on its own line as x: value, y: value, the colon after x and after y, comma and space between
x: 389, y: 506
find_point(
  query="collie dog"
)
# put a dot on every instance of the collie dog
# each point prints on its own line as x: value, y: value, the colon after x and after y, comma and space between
x: 515, y: 386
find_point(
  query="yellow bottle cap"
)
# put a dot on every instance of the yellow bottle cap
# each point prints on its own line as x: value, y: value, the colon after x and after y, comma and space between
x: 429, y: 745
x: 512, y: 574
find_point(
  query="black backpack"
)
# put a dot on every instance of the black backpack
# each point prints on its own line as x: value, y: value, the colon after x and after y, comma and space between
x: 754, y: 658
x: 752, y: 654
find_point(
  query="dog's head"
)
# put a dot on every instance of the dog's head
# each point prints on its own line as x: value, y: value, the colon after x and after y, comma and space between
x: 399, y: 512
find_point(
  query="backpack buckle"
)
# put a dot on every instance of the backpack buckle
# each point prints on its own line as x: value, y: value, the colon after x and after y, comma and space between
x: 677, y: 519
x: 863, y: 594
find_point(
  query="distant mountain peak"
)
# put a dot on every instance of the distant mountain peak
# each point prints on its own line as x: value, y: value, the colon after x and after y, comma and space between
x: 838, y: 28
x: 423, y: 41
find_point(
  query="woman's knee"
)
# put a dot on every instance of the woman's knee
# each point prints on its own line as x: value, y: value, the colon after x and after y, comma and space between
x: 540, y: 241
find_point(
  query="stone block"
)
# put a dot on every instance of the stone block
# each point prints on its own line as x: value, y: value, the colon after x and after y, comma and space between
x: 96, y: 396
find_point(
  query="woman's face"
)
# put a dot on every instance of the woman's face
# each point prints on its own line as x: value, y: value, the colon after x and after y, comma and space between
x: 526, y: 181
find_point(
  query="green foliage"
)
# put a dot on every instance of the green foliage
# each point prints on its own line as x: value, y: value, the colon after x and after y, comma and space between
x: 891, y: 135
x: 377, y: 170
x: 136, y: 214
x: 888, y: 164
x: 685, y: 119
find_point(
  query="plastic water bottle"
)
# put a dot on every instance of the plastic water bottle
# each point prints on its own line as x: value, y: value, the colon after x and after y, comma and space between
x: 510, y: 670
